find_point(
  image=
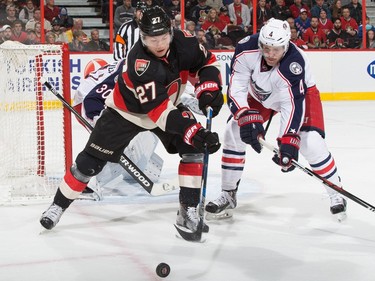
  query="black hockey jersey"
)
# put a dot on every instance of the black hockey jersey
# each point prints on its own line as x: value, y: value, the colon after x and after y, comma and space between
x: 149, y: 88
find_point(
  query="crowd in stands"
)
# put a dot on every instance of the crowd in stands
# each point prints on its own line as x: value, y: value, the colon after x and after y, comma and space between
x: 218, y: 24
x: 22, y: 21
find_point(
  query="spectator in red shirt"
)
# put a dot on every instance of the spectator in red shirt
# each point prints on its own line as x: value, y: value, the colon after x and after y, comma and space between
x: 314, y: 37
x: 213, y: 20
x: 51, y: 10
x: 296, y: 8
x: 348, y: 23
x: 325, y: 24
x: 223, y: 15
x: 17, y: 33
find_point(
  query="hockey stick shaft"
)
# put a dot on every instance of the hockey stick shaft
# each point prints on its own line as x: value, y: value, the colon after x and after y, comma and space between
x: 205, y: 167
x: 269, y: 122
x: 125, y: 162
x: 322, y: 180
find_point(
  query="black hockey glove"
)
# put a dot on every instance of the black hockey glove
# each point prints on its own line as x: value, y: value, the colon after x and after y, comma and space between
x: 289, y: 147
x: 199, y: 137
x: 208, y: 94
x: 251, y: 128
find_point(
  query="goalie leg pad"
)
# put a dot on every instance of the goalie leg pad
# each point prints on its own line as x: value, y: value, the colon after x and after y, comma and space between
x: 154, y: 167
x: 93, y: 191
x: 140, y: 150
x: 110, y: 172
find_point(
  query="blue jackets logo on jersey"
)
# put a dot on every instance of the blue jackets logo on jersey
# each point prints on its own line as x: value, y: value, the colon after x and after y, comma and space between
x: 244, y: 40
x: 260, y: 93
x: 295, y: 68
x: 141, y: 66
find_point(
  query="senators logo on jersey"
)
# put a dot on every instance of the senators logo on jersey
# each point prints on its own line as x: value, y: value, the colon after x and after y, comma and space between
x: 141, y: 66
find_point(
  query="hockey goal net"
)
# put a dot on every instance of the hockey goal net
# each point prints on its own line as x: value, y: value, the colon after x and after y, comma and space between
x: 35, y: 137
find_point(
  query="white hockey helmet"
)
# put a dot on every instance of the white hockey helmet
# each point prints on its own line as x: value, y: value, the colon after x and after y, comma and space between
x: 275, y: 33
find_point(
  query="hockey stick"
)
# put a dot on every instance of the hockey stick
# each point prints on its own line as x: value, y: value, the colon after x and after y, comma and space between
x: 197, y: 235
x: 151, y: 187
x: 322, y: 180
x: 269, y: 122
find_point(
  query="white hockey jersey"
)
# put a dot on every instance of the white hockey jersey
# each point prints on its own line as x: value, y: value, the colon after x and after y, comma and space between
x: 281, y: 88
x: 89, y: 98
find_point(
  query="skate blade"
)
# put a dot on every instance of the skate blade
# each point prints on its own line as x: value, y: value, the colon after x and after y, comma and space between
x: 44, y: 231
x: 226, y: 214
x: 93, y: 196
x: 341, y: 216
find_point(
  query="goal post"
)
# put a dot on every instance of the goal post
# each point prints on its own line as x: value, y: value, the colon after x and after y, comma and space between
x: 35, y: 135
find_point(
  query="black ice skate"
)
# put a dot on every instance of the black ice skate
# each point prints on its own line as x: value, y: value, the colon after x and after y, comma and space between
x: 338, y: 206
x: 189, y: 225
x: 222, y: 207
x: 187, y: 217
x: 51, y: 216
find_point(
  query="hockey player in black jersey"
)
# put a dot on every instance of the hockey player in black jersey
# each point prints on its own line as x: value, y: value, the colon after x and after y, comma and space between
x: 147, y: 97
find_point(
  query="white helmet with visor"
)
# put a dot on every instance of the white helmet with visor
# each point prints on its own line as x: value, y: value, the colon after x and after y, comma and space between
x: 275, y: 33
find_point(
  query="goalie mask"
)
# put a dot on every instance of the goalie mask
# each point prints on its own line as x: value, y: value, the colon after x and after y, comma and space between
x: 275, y: 33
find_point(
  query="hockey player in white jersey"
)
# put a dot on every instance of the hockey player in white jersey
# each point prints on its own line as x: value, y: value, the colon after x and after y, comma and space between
x: 89, y: 100
x: 270, y: 74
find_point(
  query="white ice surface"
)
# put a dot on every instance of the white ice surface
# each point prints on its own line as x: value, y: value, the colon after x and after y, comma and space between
x: 281, y: 230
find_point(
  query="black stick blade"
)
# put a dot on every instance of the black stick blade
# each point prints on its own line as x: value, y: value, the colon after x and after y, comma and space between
x: 191, y: 236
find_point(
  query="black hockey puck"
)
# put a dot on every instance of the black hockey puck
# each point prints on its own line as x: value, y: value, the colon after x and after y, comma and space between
x: 163, y: 270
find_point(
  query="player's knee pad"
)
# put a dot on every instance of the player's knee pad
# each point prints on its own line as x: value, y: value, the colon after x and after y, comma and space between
x: 313, y: 147
x: 87, y: 166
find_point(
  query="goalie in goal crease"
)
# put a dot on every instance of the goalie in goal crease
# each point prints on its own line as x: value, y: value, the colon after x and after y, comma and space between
x: 89, y: 101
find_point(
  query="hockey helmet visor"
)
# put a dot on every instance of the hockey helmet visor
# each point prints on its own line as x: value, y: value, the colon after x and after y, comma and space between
x: 275, y: 33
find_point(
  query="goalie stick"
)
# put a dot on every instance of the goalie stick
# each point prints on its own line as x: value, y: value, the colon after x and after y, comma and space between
x: 152, y: 188
x: 197, y: 235
x: 322, y: 180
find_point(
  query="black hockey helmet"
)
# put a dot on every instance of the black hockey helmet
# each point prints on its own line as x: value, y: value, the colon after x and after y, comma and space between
x: 141, y: 5
x: 154, y: 22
